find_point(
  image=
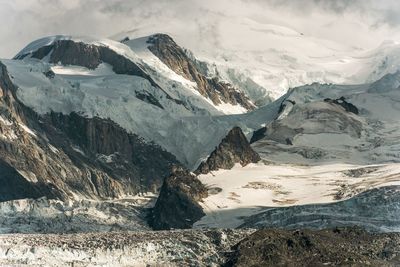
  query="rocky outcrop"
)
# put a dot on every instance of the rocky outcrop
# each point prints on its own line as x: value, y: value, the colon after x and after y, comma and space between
x: 344, y: 104
x: 177, y: 206
x: 258, y: 134
x: 120, y: 248
x: 234, y: 148
x: 148, y: 98
x: 335, y: 247
x: 165, y: 48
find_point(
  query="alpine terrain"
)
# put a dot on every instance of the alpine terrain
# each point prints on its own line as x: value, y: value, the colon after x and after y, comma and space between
x: 136, y: 151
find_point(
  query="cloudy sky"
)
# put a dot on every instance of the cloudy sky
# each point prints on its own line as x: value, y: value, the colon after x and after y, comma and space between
x: 358, y: 23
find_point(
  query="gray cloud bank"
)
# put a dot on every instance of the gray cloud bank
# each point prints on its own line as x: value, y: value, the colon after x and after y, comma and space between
x: 355, y: 22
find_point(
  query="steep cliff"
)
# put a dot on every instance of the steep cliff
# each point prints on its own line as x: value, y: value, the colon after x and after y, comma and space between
x: 177, y: 206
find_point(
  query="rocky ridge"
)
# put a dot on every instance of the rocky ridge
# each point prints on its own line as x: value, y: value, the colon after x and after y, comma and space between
x: 165, y: 48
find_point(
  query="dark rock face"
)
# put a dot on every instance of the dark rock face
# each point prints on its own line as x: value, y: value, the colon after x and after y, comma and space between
x: 64, y: 154
x: 141, y: 166
x: 336, y: 247
x: 343, y: 103
x: 40, y: 53
x: 71, y: 53
x: 234, y: 148
x: 177, y: 60
x: 284, y: 104
x: 177, y: 205
x: 258, y: 135
x: 14, y: 185
x: 148, y: 98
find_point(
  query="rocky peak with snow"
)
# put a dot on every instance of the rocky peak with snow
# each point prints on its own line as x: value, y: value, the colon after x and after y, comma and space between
x: 165, y: 48
x: 234, y: 148
x: 80, y: 53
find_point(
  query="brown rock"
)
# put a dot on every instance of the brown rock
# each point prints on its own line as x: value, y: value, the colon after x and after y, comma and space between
x: 234, y: 148
x: 332, y: 247
x: 177, y: 206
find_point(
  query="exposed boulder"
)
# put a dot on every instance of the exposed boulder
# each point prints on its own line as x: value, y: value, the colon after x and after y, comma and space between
x: 334, y: 247
x: 177, y: 206
x: 49, y: 74
x: 234, y: 148
x: 165, y: 48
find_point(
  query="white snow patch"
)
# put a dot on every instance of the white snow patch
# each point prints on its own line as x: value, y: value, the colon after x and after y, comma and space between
x: 102, y: 70
x: 78, y: 149
x: 52, y: 148
x: 27, y: 129
x: 245, y: 190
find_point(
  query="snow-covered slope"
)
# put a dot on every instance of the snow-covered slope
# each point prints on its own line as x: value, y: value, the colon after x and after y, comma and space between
x: 136, y: 51
x: 245, y: 191
x: 323, y: 146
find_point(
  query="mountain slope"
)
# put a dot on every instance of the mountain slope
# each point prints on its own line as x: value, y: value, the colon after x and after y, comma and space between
x: 67, y: 156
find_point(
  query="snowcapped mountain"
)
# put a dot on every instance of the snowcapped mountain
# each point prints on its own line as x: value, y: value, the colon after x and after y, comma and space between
x: 99, y: 125
x: 281, y: 57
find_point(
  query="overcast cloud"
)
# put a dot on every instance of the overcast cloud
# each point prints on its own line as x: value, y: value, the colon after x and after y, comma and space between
x: 363, y: 23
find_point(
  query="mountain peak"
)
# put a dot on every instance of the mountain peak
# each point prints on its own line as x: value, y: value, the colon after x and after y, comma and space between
x: 234, y: 148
